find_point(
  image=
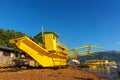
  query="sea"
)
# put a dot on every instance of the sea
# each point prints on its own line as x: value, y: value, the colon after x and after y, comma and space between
x: 106, y: 72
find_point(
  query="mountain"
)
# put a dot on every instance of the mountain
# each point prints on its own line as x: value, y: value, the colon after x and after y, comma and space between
x: 110, y: 55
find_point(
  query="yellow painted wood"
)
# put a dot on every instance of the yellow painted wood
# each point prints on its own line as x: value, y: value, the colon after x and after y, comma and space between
x: 40, y: 54
x: 50, y: 42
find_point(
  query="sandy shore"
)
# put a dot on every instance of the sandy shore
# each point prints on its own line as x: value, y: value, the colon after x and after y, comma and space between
x: 47, y: 74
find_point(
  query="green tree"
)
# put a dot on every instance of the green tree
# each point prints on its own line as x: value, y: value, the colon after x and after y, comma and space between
x: 6, y: 35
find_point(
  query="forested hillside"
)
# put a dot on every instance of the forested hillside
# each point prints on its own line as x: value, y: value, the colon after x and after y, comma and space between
x: 110, y: 55
x: 6, y: 35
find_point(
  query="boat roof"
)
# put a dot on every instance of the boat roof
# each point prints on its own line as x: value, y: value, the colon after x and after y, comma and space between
x: 50, y: 32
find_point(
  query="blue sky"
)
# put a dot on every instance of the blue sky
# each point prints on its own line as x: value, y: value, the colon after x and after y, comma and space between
x: 78, y: 22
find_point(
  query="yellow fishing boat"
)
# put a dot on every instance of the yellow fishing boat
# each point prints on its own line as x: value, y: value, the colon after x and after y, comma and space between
x: 48, y: 53
x: 96, y: 62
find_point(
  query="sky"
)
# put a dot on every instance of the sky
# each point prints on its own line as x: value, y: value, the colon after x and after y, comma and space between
x: 78, y: 22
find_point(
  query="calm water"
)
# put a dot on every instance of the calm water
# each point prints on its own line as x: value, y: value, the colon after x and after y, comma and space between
x: 107, y: 72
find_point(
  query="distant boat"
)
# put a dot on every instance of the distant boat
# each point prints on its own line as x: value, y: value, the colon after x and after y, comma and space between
x: 77, y: 62
x: 96, y: 62
x: 114, y: 66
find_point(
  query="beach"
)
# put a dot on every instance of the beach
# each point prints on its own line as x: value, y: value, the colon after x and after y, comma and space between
x: 47, y: 74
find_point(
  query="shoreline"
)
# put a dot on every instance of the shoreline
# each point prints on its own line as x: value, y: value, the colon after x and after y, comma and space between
x: 101, y: 78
